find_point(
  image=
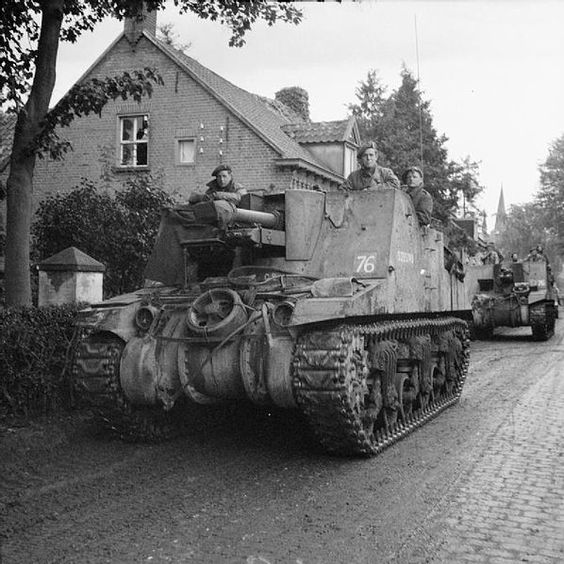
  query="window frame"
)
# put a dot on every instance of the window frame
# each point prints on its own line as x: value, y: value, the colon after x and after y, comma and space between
x: 121, y: 143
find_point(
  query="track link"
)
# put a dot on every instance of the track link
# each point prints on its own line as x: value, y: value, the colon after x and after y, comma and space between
x: 344, y: 379
x: 542, y: 318
x: 96, y: 383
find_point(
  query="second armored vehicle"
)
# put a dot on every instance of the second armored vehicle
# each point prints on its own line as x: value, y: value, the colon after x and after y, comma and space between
x: 513, y: 295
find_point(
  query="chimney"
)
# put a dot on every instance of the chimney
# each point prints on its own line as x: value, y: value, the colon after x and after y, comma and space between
x: 145, y: 21
x: 296, y: 99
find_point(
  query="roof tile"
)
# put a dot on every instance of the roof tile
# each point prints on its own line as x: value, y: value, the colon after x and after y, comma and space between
x: 318, y: 132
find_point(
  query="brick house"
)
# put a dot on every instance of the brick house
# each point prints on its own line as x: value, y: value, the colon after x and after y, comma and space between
x: 190, y: 125
x: 7, y: 128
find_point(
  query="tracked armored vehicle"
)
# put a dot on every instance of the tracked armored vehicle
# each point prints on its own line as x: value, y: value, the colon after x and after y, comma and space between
x: 336, y: 304
x: 513, y: 294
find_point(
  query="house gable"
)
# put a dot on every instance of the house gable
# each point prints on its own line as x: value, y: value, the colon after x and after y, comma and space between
x: 195, y: 113
x: 180, y: 110
x: 263, y: 116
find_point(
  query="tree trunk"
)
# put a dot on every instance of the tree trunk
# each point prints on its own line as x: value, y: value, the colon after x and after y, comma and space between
x: 22, y: 163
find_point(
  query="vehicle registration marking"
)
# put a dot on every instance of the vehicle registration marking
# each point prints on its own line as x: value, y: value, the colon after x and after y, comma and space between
x: 405, y: 257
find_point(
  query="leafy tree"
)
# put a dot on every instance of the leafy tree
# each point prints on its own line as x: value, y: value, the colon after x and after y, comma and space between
x: 526, y: 226
x: 550, y: 197
x: 523, y: 230
x: 167, y: 34
x: 369, y: 109
x: 30, y: 34
x: 402, y: 126
x: 540, y: 222
x: 118, y: 230
x: 463, y: 183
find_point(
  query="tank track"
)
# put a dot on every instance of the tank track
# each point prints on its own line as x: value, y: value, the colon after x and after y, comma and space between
x: 542, y: 319
x: 333, y: 368
x: 95, y: 375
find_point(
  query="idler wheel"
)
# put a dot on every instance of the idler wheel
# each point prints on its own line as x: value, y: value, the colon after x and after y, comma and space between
x: 216, y: 312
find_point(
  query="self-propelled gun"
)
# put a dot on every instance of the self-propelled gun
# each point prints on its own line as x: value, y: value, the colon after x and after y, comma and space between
x: 337, y: 304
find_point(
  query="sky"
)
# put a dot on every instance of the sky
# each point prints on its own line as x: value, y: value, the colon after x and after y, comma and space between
x: 493, y: 71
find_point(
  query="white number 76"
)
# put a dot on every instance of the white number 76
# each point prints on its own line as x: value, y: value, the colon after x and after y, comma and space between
x: 366, y: 263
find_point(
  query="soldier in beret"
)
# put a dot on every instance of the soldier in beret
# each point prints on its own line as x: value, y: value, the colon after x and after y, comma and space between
x: 222, y: 187
x: 370, y: 176
x: 412, y: 180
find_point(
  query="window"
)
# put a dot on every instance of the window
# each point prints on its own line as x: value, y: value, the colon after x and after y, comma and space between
x: 186, y: 151
x: 350, y: 161
x: 134, y: 140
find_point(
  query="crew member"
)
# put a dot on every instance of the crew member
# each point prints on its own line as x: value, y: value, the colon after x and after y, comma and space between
x: 492, y: 256
x: 370, y: 176
x: 222, y: 187
x: 536, y: 254
x: 412, y: 180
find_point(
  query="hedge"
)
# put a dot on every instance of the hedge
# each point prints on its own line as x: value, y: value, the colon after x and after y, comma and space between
x: 35, y: 346
x: 118, y: 229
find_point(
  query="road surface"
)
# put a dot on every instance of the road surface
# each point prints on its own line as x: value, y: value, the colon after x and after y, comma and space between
x: 484, y: 482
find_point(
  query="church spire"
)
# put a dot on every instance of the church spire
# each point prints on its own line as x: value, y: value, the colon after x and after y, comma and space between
x: 501, y: 215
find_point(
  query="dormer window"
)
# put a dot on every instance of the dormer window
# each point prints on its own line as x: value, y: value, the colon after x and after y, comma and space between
x: 133, y: 140
x: 332, y: 143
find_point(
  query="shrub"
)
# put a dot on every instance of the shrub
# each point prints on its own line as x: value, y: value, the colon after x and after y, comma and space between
x: 117, y: 230
x: 34, y: 346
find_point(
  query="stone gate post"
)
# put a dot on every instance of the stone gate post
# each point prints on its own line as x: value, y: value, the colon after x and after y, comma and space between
x: 70, y: 276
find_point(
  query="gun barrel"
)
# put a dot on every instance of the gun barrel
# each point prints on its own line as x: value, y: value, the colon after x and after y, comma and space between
x: 270, y: 220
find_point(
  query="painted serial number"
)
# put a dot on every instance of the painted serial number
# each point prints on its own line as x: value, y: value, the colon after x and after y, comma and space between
x: 405, y: 257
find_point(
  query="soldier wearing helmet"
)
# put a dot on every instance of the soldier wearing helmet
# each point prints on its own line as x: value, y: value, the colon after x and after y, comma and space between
x: 491, y: 256
x: 222, y: 187
x: 412, y: 180
x: 370, y: 176
x: 536, y: 254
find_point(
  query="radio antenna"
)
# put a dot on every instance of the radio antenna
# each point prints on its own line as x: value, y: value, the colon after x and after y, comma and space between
x: 419, y: 86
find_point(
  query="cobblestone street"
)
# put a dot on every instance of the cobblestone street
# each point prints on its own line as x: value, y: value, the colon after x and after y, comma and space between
x: 510, y: 506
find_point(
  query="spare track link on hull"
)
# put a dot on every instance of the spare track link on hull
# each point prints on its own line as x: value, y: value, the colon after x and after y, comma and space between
x: 96, y: 383
x: 334, y: 375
